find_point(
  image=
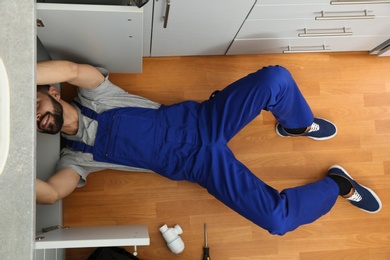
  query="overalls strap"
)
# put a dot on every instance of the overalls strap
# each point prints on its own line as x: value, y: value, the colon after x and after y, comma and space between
x: 86, y: 111
x: 80, y: 146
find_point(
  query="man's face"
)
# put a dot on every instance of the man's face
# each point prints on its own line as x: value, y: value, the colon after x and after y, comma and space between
x: 49, y: 114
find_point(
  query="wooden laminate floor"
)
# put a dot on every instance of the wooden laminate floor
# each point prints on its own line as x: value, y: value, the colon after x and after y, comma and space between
x: 351, y: 89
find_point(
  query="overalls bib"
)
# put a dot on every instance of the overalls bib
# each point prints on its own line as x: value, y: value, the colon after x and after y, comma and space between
x: 161, y: 140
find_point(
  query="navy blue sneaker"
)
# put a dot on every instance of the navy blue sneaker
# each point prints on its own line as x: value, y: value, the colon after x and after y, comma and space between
x: 361, y: 197
x: 321, y: 129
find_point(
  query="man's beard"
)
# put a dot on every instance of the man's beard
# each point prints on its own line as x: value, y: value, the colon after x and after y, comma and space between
x: 58, y: 119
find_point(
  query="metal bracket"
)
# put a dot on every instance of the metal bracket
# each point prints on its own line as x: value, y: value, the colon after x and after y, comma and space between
x: 48, y: 229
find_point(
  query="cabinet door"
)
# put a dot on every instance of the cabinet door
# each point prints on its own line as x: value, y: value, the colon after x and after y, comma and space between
x: 107, y: 36
x: 94, y: 236
x: 199, y: 27
x: 311, y: 11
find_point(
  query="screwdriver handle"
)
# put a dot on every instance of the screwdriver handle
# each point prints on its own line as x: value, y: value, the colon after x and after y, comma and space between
x: 206, y: 254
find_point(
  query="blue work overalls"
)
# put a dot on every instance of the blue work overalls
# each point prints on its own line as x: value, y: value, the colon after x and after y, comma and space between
x: 188, y: 141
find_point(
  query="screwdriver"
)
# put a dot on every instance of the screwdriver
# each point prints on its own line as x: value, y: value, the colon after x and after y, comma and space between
x: 206, y: 249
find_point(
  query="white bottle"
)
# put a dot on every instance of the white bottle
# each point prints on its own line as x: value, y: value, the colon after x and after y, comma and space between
x: 171, y: 236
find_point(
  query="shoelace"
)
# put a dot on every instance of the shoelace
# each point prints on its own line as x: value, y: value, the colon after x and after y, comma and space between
x: 355, y: 197
x: 314, y: 127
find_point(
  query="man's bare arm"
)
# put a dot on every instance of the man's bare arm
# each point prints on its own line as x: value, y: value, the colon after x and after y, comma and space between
x: 57, y: 187
x: 58, y: 71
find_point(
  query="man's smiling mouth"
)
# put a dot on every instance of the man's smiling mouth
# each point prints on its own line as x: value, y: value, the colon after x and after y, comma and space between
x: 44, y: 122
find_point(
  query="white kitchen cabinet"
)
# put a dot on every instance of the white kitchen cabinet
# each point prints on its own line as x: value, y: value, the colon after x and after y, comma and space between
x: 279, y: 26
x: 184, y: 27
x: 102, y: 35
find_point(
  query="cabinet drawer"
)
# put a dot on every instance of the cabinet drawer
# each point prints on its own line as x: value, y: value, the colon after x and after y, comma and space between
x: 258, y: 46
x: 292, y: 28
x: 295, y: 11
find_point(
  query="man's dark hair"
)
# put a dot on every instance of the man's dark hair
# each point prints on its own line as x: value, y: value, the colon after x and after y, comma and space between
x: 43, y: 88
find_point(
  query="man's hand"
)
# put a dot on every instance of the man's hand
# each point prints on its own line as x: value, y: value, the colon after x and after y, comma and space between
x: 58, y: 71
x: 57, y: 187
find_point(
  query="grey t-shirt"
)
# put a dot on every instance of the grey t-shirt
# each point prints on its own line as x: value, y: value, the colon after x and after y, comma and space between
x: 104, y: 97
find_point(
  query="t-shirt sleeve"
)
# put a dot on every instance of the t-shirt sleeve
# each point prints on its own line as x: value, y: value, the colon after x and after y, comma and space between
x: 108, y: 96
x: 83, y: 164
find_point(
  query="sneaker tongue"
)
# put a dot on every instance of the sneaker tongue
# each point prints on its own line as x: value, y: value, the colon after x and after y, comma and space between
x: 355, y: 197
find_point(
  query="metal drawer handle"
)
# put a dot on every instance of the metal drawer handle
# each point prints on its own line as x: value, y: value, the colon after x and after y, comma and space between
x: 168, y: 6
x: 305, y: 49
x: 342, y: 33
x: 345, y: 17
x: 353, y: 2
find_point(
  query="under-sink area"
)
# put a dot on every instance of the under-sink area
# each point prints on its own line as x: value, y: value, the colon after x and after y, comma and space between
x: 24, y: 153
